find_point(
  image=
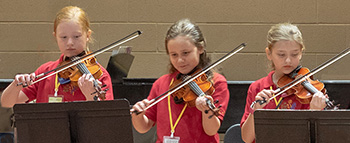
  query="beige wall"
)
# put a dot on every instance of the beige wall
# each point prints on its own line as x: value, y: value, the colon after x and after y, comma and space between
x: 27, y: 42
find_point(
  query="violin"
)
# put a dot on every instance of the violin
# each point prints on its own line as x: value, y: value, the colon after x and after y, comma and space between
x: 200, y: 86
x: 303, y: 79
x: 89, y: 66
x: 305, y: 89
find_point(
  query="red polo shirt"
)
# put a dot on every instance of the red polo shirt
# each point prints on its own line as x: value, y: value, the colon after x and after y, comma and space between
x: 189, y: 128
x: 289, y: 102
x: 41, y: 90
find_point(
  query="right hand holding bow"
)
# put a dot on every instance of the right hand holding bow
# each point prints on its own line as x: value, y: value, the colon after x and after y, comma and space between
x: 263, y: 98
x: 24, y: 79
x: 140, y: 106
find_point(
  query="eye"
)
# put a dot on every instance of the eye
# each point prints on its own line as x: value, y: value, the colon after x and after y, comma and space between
x: 186, y: 53
x: 173, y: 55
x: 77, y: 36
x: 295, y: 55
x: 281, y: 55
x: 63, y: 37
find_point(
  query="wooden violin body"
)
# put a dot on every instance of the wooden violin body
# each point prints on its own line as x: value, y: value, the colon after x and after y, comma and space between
x: 305, y: 90
x: 189, y: 96
x: 88, y: 66
x: 73, y: 73
x: 200, y: 86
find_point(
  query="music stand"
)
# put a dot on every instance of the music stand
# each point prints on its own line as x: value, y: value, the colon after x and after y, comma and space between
x: 119, y: 64
x: 290, y: 126
x: 92, y: 121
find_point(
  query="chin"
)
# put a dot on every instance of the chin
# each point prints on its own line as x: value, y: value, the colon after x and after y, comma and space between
x: 287, y: 71
x: 184, y: 72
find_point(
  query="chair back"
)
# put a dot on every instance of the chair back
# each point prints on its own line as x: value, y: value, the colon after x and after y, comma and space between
x: 233, y: 134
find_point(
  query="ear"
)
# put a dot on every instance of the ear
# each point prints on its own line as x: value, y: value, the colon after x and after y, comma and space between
x: 88, y: 34
x: 268, y: 53
x: 54, y: 35
x: 201, y: 50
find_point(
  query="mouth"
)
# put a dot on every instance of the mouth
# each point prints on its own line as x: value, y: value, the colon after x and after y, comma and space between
x: 183, y: 66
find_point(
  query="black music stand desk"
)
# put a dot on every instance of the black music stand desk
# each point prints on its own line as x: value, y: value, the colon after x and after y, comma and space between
x: 78, y: 122
x: 302, y: 126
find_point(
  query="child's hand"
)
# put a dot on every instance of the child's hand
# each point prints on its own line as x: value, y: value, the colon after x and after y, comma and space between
x: 263, y: 95
x: 318, y: 101
x: 24, y: 79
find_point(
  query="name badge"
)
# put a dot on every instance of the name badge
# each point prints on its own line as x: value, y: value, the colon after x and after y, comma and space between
x: 55, y: 99
x: 169, y: 139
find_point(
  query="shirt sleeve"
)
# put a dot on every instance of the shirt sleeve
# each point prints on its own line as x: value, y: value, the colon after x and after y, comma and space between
x: 106, y: 80
x: 221, y: 94
x: 151, y: 113
x: 250, y: 99
x: 32, y: 91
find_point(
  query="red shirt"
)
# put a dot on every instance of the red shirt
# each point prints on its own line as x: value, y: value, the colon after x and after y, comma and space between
x: 189, y: 128
x: 289, y: 102
x: 41, y: 90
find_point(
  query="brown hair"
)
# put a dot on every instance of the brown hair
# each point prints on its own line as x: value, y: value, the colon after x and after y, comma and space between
x: 185, y: 27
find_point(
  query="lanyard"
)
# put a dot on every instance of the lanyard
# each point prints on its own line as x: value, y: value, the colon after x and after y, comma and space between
x: 57, y: 84
x: 170, y: 117
x: 277, y: 102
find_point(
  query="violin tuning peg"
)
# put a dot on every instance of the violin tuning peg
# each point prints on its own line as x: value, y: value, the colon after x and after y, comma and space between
x: 206, y: 111
x: 219, y: 106
x: 216, y: 101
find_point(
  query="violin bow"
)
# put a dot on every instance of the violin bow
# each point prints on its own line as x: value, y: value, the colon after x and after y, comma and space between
x: 281, y: 90
x: 88, y: 56
x: 196, y: 75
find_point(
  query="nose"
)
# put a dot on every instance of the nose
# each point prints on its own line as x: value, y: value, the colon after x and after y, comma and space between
x: 70, y: 42
x: 180, y: 59
x: 288, y: 60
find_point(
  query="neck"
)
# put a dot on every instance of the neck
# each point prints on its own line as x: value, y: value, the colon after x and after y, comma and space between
x: 65, y: 58
x: 276, y: 76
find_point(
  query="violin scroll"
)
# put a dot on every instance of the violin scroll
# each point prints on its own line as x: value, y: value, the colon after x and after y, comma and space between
x: 213, y: 109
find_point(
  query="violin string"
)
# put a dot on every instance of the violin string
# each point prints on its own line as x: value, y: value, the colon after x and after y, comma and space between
x: 88, y: 56
x: 196, y: 88
x: 82, y: 67
x: 188, y: 80
x: 312, y: 72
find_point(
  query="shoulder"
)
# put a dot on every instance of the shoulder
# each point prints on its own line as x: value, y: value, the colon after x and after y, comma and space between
x: 164, y: 78
x: 104, y: 71
x: 48, y: 66
x: 219, y: 78
x: 263, y: 83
